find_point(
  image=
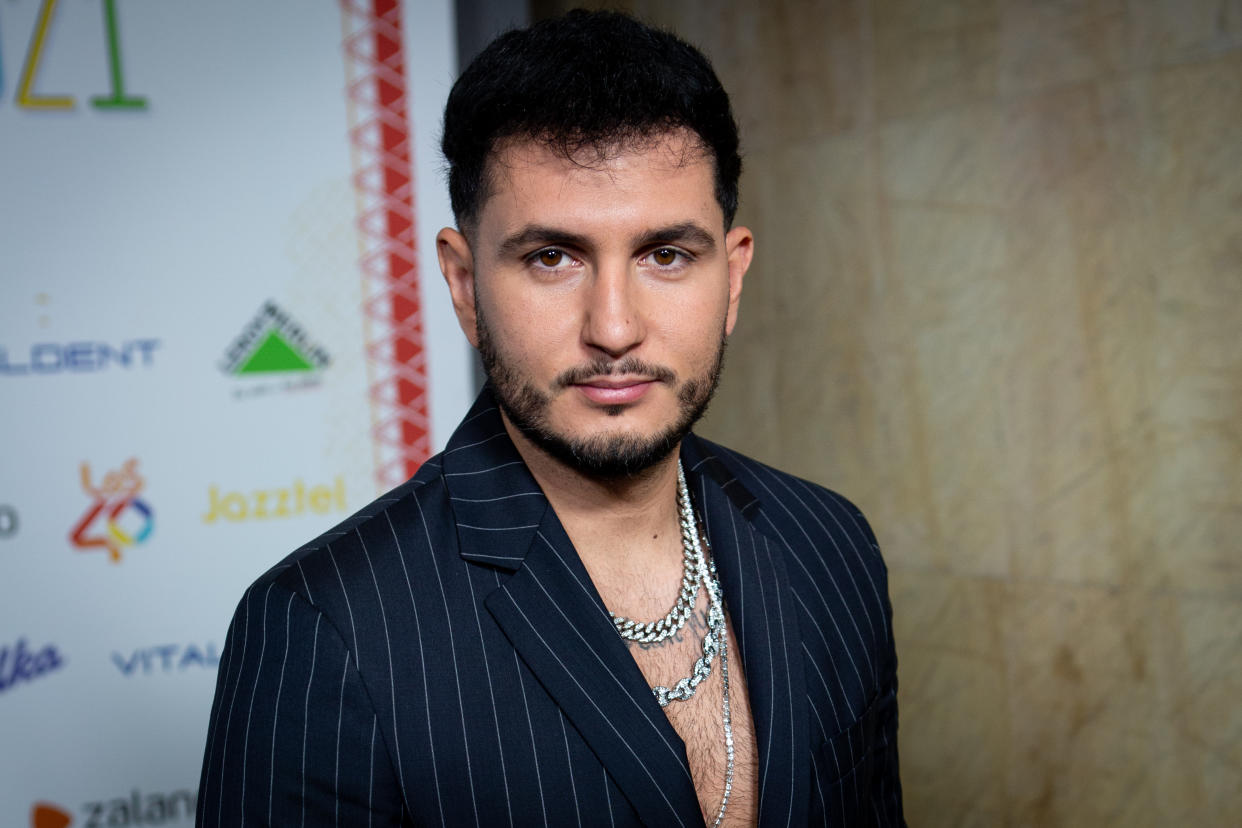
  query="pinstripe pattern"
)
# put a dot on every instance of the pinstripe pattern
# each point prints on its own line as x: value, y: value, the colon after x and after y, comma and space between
x: 442, y: 658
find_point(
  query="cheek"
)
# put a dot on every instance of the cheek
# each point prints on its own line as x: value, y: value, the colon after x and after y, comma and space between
x: 529, y: 334
x: 691, y: 351
x: 695, y: 330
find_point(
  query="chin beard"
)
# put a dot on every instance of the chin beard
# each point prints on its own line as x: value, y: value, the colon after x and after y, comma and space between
x: 607, y: 456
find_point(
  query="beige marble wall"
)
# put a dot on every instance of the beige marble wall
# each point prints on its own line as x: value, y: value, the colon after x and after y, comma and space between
x: 998, y: 302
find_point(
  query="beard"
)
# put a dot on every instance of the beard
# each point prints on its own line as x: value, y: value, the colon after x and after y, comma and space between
x: 607, y: 456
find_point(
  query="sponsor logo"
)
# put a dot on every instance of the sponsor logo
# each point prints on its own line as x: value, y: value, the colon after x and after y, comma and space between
x: 8, y: 521
x: 136, y: 809
x: 18, y: 664
x: 47, y: 815
x: 25, y: 95
x: 78, y: 357
x: 167, y: 658
x: 273, y: 345
x: 116, y: 517
x: 269, y: 504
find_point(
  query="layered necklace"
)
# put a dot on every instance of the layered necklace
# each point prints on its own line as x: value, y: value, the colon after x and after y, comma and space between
x: 697, y: 571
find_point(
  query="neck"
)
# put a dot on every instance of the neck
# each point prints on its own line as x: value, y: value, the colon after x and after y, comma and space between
x: 606, y: 518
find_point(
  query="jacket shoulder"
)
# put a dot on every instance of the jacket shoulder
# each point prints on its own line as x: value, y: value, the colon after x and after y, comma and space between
x: 347, y: 553
x: 794, y: 505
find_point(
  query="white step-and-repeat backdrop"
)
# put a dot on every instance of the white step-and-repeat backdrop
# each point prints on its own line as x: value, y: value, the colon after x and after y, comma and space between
x: 222, y: 330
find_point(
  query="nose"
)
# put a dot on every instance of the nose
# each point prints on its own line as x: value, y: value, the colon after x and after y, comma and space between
x: 613, y: 320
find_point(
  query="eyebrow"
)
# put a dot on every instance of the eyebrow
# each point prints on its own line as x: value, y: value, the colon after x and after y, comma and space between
x: 535, y: 235
x: 685, y: 233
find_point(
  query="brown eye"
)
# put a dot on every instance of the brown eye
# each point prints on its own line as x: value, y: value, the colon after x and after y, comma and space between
x: 550, y: 258
x: 665, y: 256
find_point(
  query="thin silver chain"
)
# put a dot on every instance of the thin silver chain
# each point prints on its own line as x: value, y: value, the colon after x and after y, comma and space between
x: 728, y: 730
x: 691, y: 579
x: 715, y: 640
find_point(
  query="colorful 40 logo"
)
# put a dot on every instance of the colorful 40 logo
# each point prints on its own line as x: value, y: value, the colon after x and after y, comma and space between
x: 27, y: 98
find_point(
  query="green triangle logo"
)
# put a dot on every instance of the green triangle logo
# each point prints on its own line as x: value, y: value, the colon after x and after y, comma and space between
x: 274, y: 355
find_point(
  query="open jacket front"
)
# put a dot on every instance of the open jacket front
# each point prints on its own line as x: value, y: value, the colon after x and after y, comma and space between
x: 442, y: 658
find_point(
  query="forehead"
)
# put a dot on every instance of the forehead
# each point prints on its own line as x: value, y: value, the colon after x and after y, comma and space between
x: 667, y: 178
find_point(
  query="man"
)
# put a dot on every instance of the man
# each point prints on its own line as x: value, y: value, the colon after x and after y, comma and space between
x: 492, y: 642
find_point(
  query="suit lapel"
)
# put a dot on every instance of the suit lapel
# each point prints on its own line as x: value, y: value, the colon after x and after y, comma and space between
x: 555, y: 620
x: 496, y: 503
x: 759, y: 600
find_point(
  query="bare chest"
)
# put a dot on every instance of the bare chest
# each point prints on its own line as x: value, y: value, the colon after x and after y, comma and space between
x: 700, y: 720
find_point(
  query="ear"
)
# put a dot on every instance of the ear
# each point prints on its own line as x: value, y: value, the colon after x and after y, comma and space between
x: 739, y: 247
x: 457, y: 265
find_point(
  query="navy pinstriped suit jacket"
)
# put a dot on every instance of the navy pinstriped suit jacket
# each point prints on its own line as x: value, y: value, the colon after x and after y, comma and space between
x: 442, y: 658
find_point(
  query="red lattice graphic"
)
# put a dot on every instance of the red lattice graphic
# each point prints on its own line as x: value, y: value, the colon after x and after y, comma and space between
x: 381, y: 140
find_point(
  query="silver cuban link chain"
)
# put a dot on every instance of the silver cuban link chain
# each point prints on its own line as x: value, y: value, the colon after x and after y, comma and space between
x: 691, y: 579
x: 684, y: 688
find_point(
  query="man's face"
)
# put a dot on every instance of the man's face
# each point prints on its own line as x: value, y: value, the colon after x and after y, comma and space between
x: 599, y: 293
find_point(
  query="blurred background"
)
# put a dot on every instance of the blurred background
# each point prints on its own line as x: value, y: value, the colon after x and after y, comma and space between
x: 996, y: 301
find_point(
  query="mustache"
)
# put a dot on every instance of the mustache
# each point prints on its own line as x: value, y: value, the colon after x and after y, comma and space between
x: 606, y: 367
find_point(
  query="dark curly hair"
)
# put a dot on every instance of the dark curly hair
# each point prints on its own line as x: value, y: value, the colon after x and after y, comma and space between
x: 586, y: 81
